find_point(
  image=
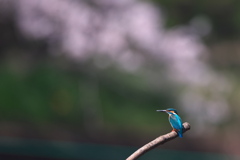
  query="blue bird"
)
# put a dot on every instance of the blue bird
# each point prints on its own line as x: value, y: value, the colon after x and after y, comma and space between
x: 174, y: 120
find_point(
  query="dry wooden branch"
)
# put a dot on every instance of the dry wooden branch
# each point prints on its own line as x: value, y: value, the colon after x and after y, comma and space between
x: 158, y: 141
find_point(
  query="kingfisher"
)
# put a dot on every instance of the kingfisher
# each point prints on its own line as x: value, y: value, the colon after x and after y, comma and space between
x: 174, y: 120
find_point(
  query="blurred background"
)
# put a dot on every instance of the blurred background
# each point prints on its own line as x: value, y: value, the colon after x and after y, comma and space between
x: 81, y: 79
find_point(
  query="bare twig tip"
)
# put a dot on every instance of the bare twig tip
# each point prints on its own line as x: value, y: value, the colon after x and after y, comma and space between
x: 160, y: 140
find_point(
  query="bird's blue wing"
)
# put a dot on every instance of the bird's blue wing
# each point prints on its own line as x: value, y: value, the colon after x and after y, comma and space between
x: 176, y: 123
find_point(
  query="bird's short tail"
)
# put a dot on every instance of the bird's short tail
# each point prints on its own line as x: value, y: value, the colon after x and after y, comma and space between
x: 180, y: 133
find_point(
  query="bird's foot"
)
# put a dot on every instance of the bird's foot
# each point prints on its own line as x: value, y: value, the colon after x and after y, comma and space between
x: 174, y: 130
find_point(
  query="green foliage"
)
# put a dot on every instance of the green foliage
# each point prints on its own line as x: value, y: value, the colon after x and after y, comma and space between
x: 224, y: 14
x: 47, y: 94
x: 44, y: 94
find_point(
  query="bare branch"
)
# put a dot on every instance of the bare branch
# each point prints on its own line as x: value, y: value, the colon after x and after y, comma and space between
x: 158, y: 141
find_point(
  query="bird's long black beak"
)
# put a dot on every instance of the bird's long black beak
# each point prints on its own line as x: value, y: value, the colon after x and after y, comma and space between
x: 161, y: 110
